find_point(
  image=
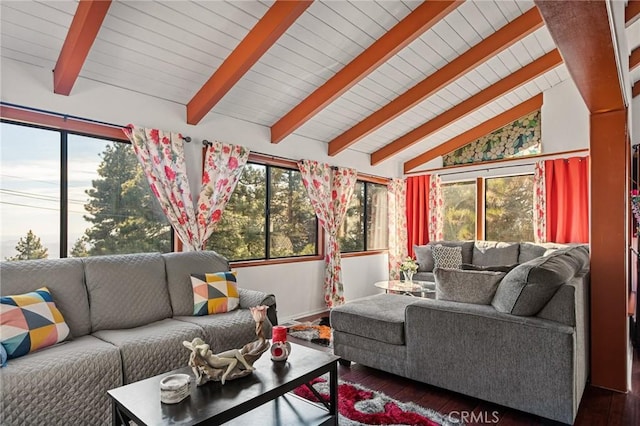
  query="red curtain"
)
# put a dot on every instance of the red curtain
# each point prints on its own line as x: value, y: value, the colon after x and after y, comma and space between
x: 567, y: 188
x: 417, y: 211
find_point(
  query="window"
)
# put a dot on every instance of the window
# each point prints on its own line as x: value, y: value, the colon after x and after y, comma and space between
x: 509, y: 208
x: 78, y: 195
x: 269, y: 216
x: 365, y: 224
x: 459, y: 218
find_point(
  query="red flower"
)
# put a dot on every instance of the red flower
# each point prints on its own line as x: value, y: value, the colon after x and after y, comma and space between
x: 203, y: 207
x: 154, y: 135
x: 205, y: 178
x: 334, y: 194
x: 171, y: 175
x: 165, y: 140
x: 317, y: 184
x: 233, y: 163
x: 226, y: 149
x: 216, y: 215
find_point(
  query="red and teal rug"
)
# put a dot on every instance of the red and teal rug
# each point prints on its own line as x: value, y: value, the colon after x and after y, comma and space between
x: 360, y: 406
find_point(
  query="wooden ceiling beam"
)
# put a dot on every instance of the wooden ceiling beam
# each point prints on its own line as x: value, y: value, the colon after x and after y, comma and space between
x: 480, y: 99
x: 635, y: 90
x: 82, y: 33
x: 479, y: 131
x: 506, y: 36
x: 632, y: 12
x: 634, y: 59
x: 581, y: 32
x: 397, y: 38
x: 280, y: 16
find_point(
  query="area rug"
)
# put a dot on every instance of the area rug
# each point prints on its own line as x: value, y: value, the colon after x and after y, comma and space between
x: 318, y: 331
x: 359, y: 406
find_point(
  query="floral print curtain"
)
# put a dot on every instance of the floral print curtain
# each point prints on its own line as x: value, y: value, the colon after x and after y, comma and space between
x: 161, y: 155
x: 539, y: 204
x: 223, y: 165
x: 397, y: 205
x: 436, y: 209
x: 330, y: 189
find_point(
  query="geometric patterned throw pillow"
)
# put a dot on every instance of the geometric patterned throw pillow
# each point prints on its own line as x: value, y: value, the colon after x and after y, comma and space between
x: 447, y: 257
x: 29, y: 322
x: 214, y: 293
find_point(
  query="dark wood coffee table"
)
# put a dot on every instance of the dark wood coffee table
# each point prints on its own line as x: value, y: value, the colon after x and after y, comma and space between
x: 260, y: 398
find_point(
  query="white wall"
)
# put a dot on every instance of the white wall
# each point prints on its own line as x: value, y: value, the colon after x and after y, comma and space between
x: 297, y: 286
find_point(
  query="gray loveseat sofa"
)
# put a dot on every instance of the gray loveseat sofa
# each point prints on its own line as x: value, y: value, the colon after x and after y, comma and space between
x: 527, y: 349
x: 128, y: 316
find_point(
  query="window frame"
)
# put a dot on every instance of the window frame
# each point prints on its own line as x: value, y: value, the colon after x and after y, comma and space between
x: 63, y: 132
x: 375, y: 180
x: 269, y: 161
x: 481, y: 191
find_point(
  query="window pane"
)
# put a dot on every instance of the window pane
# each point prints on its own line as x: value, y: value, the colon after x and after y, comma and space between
x: 240, y: 234
x: 293, y: 228
x: 351, y: 232
x: 459, y: 210
x: 377, y: 230
x: 509, y: 208
x: 30, y: 188
x: 111, y: 207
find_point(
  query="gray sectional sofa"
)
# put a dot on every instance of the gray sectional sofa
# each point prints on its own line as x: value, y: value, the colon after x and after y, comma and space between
x: 128, y: 316
x: 526, y: 349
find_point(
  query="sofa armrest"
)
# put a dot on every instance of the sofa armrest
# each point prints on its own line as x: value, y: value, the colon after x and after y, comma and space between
x: 250, y: 298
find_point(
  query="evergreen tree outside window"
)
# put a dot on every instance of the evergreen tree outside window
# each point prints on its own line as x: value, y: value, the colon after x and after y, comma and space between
x: 103, y: 199
x: 269, y: 216
x: 29, y: 248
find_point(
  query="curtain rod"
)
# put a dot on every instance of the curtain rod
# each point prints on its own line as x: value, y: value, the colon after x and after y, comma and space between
x: 481, y: 167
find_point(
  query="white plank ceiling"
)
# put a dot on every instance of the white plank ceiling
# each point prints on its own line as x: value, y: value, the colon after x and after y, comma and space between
x: 169, y: 49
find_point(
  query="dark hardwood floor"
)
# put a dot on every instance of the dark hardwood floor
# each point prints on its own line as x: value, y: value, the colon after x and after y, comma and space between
x: 598, y: 406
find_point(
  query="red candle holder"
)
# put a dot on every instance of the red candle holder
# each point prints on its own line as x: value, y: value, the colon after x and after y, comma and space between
x: 279, y: 334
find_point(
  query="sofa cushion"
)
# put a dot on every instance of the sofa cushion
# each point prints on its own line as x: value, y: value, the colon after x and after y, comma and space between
x: 486, y: 253
x: 528, y: 287
x: 29, y: 322
x: 465, y: 246
x: 530, y: 251
x: 214, y: 293
x: 491, y: 268
x: 476, y: 287
x: 424, y: 257
x: 424, y: 276
x: 379, y: 317
x: 65, y: 384
x: 180, y: 266
x: 65, y: 280
x: 126, y: 291
x: 447, y: 257
x: 152, y: 349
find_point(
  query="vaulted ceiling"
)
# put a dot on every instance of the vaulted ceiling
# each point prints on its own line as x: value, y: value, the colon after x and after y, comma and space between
x: 393, y: 79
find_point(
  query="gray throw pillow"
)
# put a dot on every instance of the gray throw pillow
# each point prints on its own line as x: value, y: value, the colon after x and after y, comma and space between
x: 492, y: 268
x: 476, y: 287
x: 447, y: 257
x: 424, y: 257
x: 486, y: 253
x: 466, y: 246
x: 528, y: 287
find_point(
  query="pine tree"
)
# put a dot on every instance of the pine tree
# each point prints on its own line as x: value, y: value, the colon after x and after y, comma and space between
x: 30, y: 247
x: 125, y: 215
